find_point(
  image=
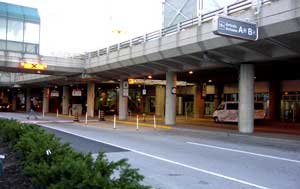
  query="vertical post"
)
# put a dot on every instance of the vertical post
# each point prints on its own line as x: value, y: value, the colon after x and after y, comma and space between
x: 186, y: 116
x: 2, y: 157
x: 170, y: 106
x: 99, y: 114
x: 246, y: 98
x: 46, y: 94
x: 154, y: 121
x: 86, y: 116
x: 90, y: 98
x: 57, y: 112
x: 28, y: 95
x: 65, y: 100
x: 137, y: 122
x: 43, y: 113
x: 123, y: 100
x: 160, y: 100
x: 115, y: 121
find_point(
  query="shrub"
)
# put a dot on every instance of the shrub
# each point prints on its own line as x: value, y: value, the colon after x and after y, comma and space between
x: 62, y: 167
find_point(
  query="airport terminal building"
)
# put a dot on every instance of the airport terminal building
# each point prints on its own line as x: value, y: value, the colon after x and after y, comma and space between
x: 245, y: 51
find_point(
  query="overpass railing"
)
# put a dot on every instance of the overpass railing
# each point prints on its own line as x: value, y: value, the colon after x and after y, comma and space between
x: 228, y: 10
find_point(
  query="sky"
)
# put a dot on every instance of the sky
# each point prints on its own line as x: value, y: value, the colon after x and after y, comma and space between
x: 76, y: 26
x: 70, y: 27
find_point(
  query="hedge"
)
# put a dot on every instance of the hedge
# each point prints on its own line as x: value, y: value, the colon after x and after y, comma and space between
x: 51, y: 164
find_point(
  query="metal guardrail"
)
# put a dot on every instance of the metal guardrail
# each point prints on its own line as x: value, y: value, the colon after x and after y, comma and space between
x: 229, y: 9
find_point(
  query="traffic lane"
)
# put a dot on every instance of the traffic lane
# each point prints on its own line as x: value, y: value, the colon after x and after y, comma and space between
x: 82, y: 144
x: 288, y: 148
x: 166, y: 175
x: 256, y: 170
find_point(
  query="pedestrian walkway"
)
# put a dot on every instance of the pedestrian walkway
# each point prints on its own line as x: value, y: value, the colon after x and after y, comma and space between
x: 265, y: 128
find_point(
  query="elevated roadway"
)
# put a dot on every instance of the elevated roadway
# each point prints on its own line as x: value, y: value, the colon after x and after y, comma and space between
x: 190, y: 45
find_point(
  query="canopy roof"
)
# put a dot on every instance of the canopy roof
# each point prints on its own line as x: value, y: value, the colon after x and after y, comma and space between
x: 19, y: 12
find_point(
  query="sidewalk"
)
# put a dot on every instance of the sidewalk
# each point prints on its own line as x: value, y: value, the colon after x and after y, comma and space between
x: 263, y: 129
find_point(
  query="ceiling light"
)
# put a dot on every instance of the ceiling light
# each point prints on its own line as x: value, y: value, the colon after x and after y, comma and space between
x: 209, y: 81
x: 149, y: 76
x: 191, y: 72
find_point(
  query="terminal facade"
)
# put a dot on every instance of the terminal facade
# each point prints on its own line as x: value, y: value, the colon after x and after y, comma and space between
x: 183, y: 69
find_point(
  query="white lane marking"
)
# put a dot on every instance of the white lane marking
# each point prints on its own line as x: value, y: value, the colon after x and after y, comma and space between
x: 245, y: 152
x: 163, y: 159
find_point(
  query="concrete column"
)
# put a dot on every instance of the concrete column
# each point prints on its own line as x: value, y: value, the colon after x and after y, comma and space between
x: 46, y: 94
x: 198, y: 110
x: 123, y: 102
x: 170, y: 117
x: 65, y: 100
x: 90, y: 99
x: 274, y: 100
x: 28, y: 96
x: 180, y: 105
x: 160, y: 93
x: 246, y: 98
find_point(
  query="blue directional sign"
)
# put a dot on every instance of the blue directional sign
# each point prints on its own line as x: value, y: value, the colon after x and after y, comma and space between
x: 228, y: 26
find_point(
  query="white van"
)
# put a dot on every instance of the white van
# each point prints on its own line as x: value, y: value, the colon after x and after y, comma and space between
x: 228, y: 112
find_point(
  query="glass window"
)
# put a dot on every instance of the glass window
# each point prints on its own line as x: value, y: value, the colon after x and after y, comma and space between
x: 32, y: 33
x: 221, y: 107
x: 14, y: 46
x: 232, y: 106
x: 3, y: 28
x: 15, y: 30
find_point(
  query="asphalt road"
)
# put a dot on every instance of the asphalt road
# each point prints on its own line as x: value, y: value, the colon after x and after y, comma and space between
x: 193, y: 159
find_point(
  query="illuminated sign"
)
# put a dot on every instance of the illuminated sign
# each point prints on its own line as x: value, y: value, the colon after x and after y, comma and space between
x: 131, y: 81
x: 76, y: 92
x: 54, y: 93
x: 33, y: 66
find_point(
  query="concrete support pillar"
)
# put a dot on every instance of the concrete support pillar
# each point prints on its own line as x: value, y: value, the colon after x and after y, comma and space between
x: 198, y: 112
x: 170, y: 117
x: 160, y: 93
x: 28, y: 102
x: 65, y: 100
x: 246, y: 98
x: 46, y: 95
x: 179, y: 105
x: 123, y: 100
x: 14, y: 99
x: 274, y: 100
x: 90, y: 99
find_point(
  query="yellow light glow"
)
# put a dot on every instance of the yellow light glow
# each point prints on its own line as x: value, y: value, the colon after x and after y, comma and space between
x: 118, y: 31
x: 33, y: 66
x: 131, y: 81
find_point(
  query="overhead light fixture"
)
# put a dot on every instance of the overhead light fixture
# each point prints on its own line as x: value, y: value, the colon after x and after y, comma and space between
x: 149, y: 76
x: 209, y: 81
x: 38, y: 71
x: 16, y: 86
x: 191, y: 72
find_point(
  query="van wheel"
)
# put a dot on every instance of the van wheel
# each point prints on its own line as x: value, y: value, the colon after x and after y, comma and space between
x: 216, y: 119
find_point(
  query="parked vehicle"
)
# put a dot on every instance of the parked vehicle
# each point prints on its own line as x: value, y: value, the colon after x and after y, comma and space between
x: 228, y: 112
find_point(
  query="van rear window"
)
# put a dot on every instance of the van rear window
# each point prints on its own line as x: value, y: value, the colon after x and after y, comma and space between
x: 232, y: 106
x: 258, y: 106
